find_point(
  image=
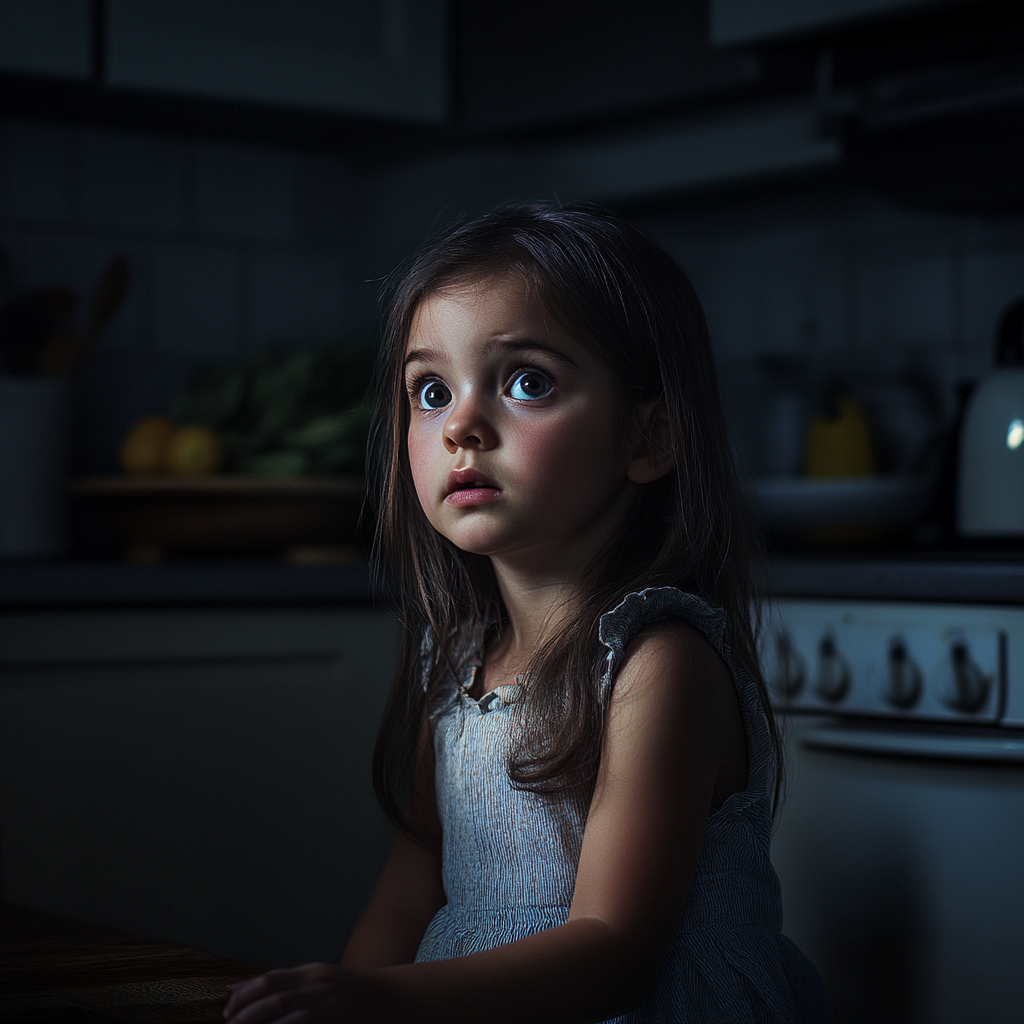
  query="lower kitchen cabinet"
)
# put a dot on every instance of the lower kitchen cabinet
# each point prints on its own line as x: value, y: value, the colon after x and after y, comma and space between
x: 196, y: 775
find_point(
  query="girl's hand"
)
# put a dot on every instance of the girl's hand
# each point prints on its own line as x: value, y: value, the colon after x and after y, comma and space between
x: 313, y: 994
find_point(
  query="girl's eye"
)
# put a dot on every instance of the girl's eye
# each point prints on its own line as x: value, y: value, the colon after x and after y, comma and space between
x: 530, y: 385
x: 434, y: 395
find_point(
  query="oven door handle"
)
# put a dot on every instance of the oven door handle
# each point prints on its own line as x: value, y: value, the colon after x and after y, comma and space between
x: 928, y: 746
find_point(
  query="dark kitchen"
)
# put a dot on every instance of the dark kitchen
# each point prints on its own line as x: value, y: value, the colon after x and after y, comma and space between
x: 512, y: 510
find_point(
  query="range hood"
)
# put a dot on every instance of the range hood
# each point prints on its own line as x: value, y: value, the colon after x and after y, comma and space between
x: 949, y: 140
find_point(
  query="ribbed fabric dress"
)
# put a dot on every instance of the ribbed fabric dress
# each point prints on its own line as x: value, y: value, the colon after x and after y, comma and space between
x: 509, y: 857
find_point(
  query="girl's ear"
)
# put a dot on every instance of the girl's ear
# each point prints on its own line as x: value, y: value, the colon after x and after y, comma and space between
x: 652, y: 454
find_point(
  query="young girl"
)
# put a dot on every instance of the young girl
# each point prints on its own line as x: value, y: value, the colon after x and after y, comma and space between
x: 578, y: 748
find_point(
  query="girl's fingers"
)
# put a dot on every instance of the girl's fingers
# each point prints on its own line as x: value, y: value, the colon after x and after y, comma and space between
x: 239, y: 988
x: 312, y: 994
x: 246, y: 992
x: 317, y: 1004
x: 274, y: 1008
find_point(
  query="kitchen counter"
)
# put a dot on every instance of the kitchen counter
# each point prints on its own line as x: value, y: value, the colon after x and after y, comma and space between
x: 993, y: 580
x: 953, y: 578
x: 122, y: 584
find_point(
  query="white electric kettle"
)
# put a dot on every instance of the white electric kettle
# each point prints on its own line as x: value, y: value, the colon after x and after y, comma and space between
x: 990, y: 466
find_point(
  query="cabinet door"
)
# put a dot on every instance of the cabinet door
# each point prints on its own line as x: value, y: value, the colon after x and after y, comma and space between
x: 382, y: 58
x: 46, y: 37
x: 198, y: 776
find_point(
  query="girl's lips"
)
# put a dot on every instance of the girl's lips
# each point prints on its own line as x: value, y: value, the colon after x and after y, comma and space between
x: 470, y: 487
x: 472, y: 496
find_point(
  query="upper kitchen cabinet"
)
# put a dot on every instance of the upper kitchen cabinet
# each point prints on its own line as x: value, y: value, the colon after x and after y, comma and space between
x: 533, y: 65
x: 46, y: 37
x: 376, y: 58
x: 750, y: 21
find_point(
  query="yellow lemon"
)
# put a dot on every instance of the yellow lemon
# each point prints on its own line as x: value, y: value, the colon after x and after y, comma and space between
x: 194, y: 451
x: 144, y: 450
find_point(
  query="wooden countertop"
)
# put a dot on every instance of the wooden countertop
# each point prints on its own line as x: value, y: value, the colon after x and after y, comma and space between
x: 58, y: 971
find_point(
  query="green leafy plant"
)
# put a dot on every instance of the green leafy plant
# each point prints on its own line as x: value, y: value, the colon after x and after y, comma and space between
x: 307, y: 412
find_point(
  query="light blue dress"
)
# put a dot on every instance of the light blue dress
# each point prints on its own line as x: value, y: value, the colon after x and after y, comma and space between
x: 509, y: 857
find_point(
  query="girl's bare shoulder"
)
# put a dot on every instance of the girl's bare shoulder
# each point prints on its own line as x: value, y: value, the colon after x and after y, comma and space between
x: 672, y: 654
x: 675, y: 705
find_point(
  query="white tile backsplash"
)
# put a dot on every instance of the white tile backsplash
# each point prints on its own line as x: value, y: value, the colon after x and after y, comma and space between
x: 828, y: 315
x: 131, y: 182
x: 296, y: 298
x: 244, y: 193
x: 993, y: 278
x: 904, y: 302
x: 35, y: 172
x: 851, y: 281
x: 783, y: 304
x: 328, y: 201
x: 196, y: 293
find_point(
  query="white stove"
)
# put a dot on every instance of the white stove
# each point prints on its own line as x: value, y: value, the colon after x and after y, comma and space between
x: 938, y: 663
x: 901, y: 843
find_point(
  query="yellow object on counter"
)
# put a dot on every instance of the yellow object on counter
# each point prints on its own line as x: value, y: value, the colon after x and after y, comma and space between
x: 144, y: 450
x: 194, y: 451
x: 840, y: 445
x: 156, y: 446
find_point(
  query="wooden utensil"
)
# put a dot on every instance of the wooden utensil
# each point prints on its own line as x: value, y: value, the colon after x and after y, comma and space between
x: 64, y: 353
x: 29, y: 323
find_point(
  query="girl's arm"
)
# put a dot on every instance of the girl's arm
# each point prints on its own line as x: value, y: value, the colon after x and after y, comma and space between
x: 673, y: 747
x: 404, y: 900
x: 409, y: 892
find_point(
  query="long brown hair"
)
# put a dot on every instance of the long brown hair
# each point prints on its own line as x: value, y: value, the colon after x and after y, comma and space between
x: 611, y: 288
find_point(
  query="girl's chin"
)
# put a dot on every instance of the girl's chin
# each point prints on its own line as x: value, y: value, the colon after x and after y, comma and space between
x: 478, y: 545
x: 478, y: 538
x: 506, y: 547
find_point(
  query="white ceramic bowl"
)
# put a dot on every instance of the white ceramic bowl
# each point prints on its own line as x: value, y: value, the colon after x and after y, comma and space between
x: 791, y: 503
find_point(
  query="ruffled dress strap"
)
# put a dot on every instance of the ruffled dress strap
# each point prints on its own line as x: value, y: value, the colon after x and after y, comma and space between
x: 643, y: 607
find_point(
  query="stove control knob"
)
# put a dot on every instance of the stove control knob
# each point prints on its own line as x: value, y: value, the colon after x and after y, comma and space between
x: 790, y: 670
x: 905, y: 680
x: 970, y: 684
x: 833, y: 680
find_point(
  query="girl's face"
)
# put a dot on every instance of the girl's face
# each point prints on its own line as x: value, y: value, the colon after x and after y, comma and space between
x: 515, y: 444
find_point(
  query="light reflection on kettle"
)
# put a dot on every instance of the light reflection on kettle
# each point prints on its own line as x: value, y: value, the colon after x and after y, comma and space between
x: 990, y: 465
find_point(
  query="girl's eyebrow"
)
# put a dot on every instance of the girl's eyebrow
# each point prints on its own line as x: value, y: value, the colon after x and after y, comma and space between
x: 524, y: 344
x: 424, y: 355
x: 428, y: 355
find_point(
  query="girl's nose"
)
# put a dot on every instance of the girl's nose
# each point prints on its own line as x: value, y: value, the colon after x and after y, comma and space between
x: 468, y: 427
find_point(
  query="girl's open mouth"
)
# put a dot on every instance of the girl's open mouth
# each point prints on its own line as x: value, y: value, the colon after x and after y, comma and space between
x: 470, y: 487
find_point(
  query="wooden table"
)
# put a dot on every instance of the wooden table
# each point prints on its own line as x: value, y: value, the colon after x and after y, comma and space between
x: 57, y: 971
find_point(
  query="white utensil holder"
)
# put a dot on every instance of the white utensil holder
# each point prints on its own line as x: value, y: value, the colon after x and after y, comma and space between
x: 35, y: 421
